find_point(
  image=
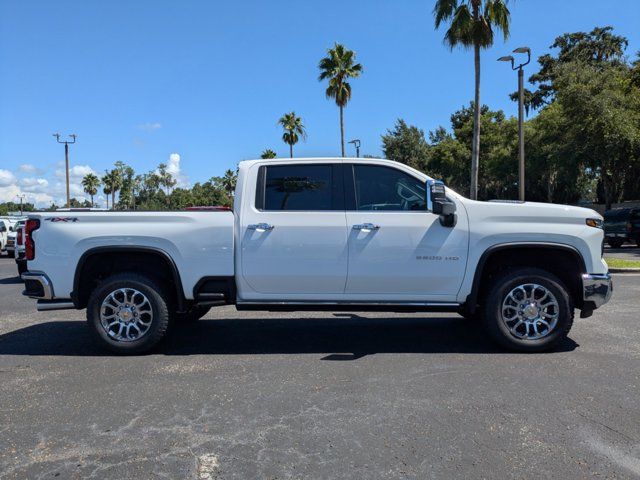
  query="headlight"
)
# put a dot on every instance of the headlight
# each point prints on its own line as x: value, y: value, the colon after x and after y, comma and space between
x: 594, y: 222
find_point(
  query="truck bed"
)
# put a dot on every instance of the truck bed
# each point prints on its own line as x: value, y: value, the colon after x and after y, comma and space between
x: 199, y: 242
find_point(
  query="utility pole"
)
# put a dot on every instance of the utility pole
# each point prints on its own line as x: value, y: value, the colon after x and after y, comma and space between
x: 66, y: 160
x: 21, y: 197
x: 356, y: 143
x: 510, y: 58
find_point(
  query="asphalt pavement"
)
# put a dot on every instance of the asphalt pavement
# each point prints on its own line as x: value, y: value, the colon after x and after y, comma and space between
x: 243, y: 395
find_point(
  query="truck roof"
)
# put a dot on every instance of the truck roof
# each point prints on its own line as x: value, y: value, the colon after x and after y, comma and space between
x: 248, y: 163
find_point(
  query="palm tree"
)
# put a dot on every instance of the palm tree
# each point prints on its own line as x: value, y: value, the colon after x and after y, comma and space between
x: 293, y: 130
x: 337, y: 67
x: 112, y: 182
x: 90, y: 183
x: 106, y: 190
x: 165, y: 177
x: 229, y: 182
x: 268, y: 153
x: 471, y: 24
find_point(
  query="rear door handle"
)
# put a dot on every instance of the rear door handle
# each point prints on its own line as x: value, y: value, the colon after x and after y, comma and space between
x: 260, y: 227
x: 366, y: 227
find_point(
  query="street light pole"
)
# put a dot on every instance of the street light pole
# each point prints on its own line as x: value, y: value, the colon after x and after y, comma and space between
x: 21, y: 197
x: 356, y: 143
x: 521, y: 133
x: 520, y: 69
x: 66, y: 160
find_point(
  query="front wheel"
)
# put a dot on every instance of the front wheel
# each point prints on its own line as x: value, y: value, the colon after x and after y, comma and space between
x: 528, y: 310
x: 127, y: 313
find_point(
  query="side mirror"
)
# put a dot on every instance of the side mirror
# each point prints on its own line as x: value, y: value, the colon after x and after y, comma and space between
x: 439, y: 204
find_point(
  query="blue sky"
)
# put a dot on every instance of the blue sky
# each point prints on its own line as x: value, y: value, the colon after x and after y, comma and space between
x: 206, y: 81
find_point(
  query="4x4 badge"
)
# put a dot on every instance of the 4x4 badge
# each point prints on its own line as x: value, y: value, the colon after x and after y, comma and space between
x: 62, y: 219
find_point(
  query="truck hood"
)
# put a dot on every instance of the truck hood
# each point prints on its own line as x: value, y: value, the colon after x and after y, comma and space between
x: 504, y: 211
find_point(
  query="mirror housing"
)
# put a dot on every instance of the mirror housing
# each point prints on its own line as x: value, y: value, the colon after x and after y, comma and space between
x: 439, y: 204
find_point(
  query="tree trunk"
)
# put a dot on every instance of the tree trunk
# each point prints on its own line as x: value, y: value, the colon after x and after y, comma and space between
x: 608, y: 194
x: 291, y: 150
x: 91, y: 201
x: 107, y: 201
x: 342, y: 129
x: 475, y: 146
x: 113, y: 200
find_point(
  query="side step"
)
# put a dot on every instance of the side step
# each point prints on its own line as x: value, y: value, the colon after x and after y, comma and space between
x: 46, y: 305
x: 206, y: 299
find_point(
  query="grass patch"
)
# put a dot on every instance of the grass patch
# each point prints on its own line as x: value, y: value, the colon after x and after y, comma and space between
x: 620, y: 263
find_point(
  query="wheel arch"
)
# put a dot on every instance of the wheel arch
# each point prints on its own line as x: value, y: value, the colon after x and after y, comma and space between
x: 483, y: 266
x: 89, y: 258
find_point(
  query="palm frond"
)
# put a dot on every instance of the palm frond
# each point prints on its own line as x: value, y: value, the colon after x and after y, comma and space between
x: 443, y: 10
x: 460, y: 29
x: 497, y: 14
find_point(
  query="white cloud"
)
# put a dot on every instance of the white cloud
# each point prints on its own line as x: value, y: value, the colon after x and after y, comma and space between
x: 9, y: 193
x: 175, y: 169
x: 34, y: 185
x: 76, y: 172
x: 149, y: 126
x: 7, y: 178
x: 30, y: 168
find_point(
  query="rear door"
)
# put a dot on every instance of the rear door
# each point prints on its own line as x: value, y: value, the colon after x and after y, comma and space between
x: 294, y: 235
x: 398, y: 250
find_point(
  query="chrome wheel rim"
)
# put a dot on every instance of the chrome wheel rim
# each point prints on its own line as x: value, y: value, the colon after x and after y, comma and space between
x: 126, y: 315
x: 530, y: 311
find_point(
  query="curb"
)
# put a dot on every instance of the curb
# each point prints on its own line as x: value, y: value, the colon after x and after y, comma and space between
x: 624, y: 270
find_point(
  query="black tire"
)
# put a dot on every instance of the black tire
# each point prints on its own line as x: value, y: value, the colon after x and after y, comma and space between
x: 193, y: 315
x: 498, y: 291
x: 615, y: 242
x: 159, y: 323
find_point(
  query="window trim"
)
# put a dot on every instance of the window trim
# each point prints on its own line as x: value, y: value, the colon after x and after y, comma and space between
x: 337, y: 185
x: 351, y: 199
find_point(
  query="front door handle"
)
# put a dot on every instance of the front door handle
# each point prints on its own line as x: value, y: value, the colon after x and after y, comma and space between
x: 366, y: 227
x: 260, y: 227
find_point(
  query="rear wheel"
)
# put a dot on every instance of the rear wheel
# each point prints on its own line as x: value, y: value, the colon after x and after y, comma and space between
x: 528, y: 310
x: 615, y: 242
x: 127, y: 313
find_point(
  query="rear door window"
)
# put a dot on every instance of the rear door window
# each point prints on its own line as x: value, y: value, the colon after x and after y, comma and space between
x: 317, y: 187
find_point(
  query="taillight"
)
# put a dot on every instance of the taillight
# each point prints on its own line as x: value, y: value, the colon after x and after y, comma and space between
x: 629, y: 227
x: 29, y: 245
x: 19, y: 237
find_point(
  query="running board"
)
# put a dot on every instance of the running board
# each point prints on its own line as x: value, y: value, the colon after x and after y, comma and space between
x: 348, y: 307
x: 46, y: 305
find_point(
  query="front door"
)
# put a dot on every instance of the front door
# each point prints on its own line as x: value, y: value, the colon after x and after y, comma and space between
x: 294, y: 238
x: 398, y: 250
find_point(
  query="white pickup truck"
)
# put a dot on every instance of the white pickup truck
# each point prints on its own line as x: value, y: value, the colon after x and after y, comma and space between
x: 324, y: 234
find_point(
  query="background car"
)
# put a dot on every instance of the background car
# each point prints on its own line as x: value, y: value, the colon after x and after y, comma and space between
x: 622, y: 225
x: 20, y: 257
x: 6, y: 227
